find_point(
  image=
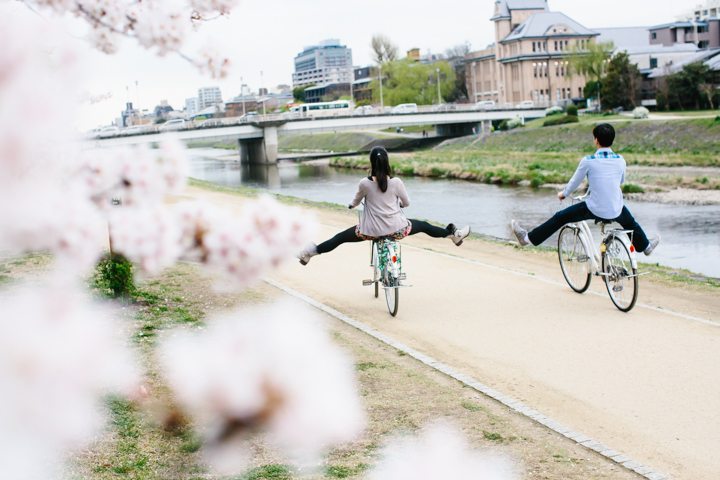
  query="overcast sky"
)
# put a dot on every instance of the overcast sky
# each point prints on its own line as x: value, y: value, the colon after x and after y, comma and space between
x: 265, y: 35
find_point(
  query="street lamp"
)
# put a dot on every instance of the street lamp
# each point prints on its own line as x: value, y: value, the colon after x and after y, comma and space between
x: 242, y: 94
x: 437, y: 71
x: 382, y: 104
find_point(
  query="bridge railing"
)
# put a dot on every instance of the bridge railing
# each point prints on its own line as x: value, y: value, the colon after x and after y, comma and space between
x: 290, y: 116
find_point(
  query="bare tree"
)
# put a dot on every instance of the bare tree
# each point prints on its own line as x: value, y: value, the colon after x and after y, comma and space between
x: 383, y: 49
x: 708, y: 89
x: 457, y: 51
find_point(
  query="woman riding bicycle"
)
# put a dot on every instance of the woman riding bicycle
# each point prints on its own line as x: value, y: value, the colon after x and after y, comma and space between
x: 384, y: 196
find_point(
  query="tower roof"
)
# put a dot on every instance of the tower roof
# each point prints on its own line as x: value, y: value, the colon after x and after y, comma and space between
x: 548, y: 24
x: 504, y: 7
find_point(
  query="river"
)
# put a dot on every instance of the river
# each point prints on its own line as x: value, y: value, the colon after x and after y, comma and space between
x: 690, y: 234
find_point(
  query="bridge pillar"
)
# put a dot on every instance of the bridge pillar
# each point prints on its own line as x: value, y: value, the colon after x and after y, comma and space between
x: 260, y: 150
x: 457, y: 129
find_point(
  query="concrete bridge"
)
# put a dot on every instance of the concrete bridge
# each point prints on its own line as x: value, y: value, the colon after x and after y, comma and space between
x: 258, y: 137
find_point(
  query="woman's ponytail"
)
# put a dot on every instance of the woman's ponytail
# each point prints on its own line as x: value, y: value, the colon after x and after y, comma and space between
x: 380, y: 167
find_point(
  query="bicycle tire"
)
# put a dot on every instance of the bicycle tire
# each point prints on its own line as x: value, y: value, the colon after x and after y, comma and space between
x: 620, y: 277
x: 392, y: 295
x: 574, y: 260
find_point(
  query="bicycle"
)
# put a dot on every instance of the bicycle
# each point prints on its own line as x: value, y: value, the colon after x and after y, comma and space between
x: 386, y: 262
x: 615, y: 260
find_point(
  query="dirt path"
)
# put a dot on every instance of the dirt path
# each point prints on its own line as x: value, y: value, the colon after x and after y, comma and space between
x: 644, y: 383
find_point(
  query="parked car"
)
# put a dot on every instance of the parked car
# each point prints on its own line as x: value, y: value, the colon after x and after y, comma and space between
x: 485, y: 105
x: 109, y: 131
x: 444, y: 107
x: 526, y: 104
x: 174, y: 124
x: 363, y: 110
x: 405, y: 108
x: 134, y: 130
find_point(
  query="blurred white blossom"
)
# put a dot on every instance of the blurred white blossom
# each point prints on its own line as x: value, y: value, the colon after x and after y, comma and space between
x: 440, y: 451
x: 267, y: 369
x: 158, y: 25
x: 59, y: 356
x: 136, y: 176
x: 242, y: 247
x: 149, y: 237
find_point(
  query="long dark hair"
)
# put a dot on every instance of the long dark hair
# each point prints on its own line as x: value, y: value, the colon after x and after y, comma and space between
x: 380, y: 167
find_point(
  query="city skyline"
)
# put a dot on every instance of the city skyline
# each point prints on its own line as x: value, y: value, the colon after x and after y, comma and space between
x: 261, y: 59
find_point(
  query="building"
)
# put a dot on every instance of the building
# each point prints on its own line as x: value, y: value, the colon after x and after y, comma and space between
x: 327, y: 92
x: 704, y: 33
x: 191, y: 106
x: 208, y: 96
x: 637, y: 42
x: 326, y: 63
x: 362, y: 85
x: 529, y: 60
x: 711, y: 9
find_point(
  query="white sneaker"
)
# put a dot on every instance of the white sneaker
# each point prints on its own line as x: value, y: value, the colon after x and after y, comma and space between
x: 308, y: 252
x: 460, y: 234
x: 653, y: 243
x: 520, y: 233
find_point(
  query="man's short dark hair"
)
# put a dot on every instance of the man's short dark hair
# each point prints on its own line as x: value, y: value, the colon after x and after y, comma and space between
x: 605, y: 134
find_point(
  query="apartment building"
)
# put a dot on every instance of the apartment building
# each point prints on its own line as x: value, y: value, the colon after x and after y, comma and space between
x: 208, y: 96
x: 530, y: 57
x: 329, y: 62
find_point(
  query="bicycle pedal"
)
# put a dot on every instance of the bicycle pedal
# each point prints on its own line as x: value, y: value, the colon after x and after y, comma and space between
x: 367, y: 283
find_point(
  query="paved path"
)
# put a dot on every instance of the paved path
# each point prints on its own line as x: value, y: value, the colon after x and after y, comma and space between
x: 645, y: 383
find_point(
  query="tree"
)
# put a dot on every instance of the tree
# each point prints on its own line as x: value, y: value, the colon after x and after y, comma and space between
x: 383, y: 49
x: 621, y: 86
x: 405, y: 81
x: 299, y: 92
x: 591, y: 62
x: 692, y: 87
x: 456, y: 56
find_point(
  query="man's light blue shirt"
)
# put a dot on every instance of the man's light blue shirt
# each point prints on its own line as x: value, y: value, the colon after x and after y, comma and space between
x: 605, y: 171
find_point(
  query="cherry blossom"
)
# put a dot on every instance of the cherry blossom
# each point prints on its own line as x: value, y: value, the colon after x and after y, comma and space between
x: 59, y: 355
x: 268, y: 369
x: 440, y: 451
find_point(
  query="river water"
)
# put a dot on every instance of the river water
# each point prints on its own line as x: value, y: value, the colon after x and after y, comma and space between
x: 690, y: 234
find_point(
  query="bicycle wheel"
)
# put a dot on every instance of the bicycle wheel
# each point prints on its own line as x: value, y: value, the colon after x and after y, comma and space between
x: 392, y: 294
x: 574, y: 260
x: 620, y: 277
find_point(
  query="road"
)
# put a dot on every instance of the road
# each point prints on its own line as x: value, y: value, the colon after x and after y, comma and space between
x: 644, y: 383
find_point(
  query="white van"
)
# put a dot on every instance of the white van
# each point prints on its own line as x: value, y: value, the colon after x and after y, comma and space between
x: 405, y: 108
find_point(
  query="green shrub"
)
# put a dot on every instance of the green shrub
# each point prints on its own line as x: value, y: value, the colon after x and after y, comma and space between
x: 632, y: 188
x: 560, y: 120
x: 114, y: 276
x: 572, y: 110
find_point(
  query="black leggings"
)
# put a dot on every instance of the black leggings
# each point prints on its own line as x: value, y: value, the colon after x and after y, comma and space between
x: 347, y: 236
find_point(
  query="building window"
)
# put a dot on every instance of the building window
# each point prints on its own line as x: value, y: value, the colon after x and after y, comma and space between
x: 653, y: 62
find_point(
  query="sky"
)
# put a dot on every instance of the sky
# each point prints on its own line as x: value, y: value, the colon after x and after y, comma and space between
x: 261, y: 37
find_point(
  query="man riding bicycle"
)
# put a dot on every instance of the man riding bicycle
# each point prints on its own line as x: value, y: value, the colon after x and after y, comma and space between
x: 605, y: 171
